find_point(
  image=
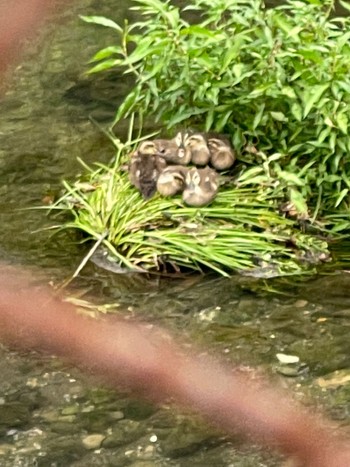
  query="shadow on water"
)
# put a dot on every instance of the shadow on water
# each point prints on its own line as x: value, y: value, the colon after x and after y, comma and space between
x: 49, y: 413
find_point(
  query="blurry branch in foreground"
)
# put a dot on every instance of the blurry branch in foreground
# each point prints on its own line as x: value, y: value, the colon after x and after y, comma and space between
x: 146, y: 360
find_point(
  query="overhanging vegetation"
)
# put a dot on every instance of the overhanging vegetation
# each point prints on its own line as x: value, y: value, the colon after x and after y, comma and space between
x: 277, y: 81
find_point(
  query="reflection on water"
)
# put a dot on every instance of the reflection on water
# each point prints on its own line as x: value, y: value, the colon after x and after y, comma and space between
x: 49, y: 413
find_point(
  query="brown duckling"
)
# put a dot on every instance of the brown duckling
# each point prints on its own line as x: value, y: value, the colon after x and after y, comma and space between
x: 201, y: 186
x: 172, y: 180
x: 222, y: 156
x: 196, y: 144
x: 173, y: 150
x: 145, y: 167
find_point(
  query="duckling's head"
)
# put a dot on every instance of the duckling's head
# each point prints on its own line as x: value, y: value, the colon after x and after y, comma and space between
x: 148, y: 148
x: 193, y: 179
x: 222, y: 156
x: 204, y: 179
x: 169, y: 150
x: 201, y: 186
x: 197, y: 145
x: 216, y: 143
x: 195, y: 140
x: 171, y: 181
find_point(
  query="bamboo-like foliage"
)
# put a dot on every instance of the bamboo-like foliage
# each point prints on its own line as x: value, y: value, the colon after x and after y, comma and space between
x: 277, y: 80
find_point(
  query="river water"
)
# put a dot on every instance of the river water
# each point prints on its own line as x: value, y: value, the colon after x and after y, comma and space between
x: 50, y: 414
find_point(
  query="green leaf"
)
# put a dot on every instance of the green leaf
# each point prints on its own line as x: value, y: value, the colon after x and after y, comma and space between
x: 102, y: 21
x: 144, y: 50
x: 282, y: 22
x: 249, y: 174
x: 209, y: 120
x: 335, y: 161
x: 344, y: 85
x: 258, y: 116
x: 105, y: 65
x: 311, y: 96
x: 268, y: 36
x: 289, y: 92
x: 332, y: 178
x: 297, y: 111
x: 345, y: 5
x: 221, y: 122
x: 106, y: 52
x: 184, y: 114
x: 128, y: 104
x: 279, y: 116
x: 243, y: 76
x: 290, y: 178
x: 276, y: 157
x: 237, y: 69
x: 295, y: 31
x: 341, y: 226
x: 155, y: 7
x: 324, y: 134
x: 232, y: 50
x: 332, y: 141
x: 342, y: 121
x: 312, y: 55
x: 341, y: 196
x: 298, y: 201
x: 259, y: 91
x: 154, y: 71
x: 343, y: 39
x: 199, y: 31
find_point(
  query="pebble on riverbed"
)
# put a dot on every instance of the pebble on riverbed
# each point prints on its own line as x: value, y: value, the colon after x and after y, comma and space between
x: 93, y: 441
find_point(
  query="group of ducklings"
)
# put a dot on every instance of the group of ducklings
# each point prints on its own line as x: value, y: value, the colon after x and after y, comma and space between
x: 162, y: 165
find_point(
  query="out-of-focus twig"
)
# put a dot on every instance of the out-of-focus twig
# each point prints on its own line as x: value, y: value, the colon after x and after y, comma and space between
x: 146, y: 360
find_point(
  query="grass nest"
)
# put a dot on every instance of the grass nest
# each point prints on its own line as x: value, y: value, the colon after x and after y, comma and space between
x: 241, y: 230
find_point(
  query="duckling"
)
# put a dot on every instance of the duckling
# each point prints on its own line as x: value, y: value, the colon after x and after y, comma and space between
x: 201, y: 186
x: 145, y: 167
x: 173, y: 150
x: 196, y: 145
x: 222, y: 156
x: 172, y: 180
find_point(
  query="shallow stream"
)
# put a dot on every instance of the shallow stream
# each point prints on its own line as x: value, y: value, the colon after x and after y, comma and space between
x: 50, y: 414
